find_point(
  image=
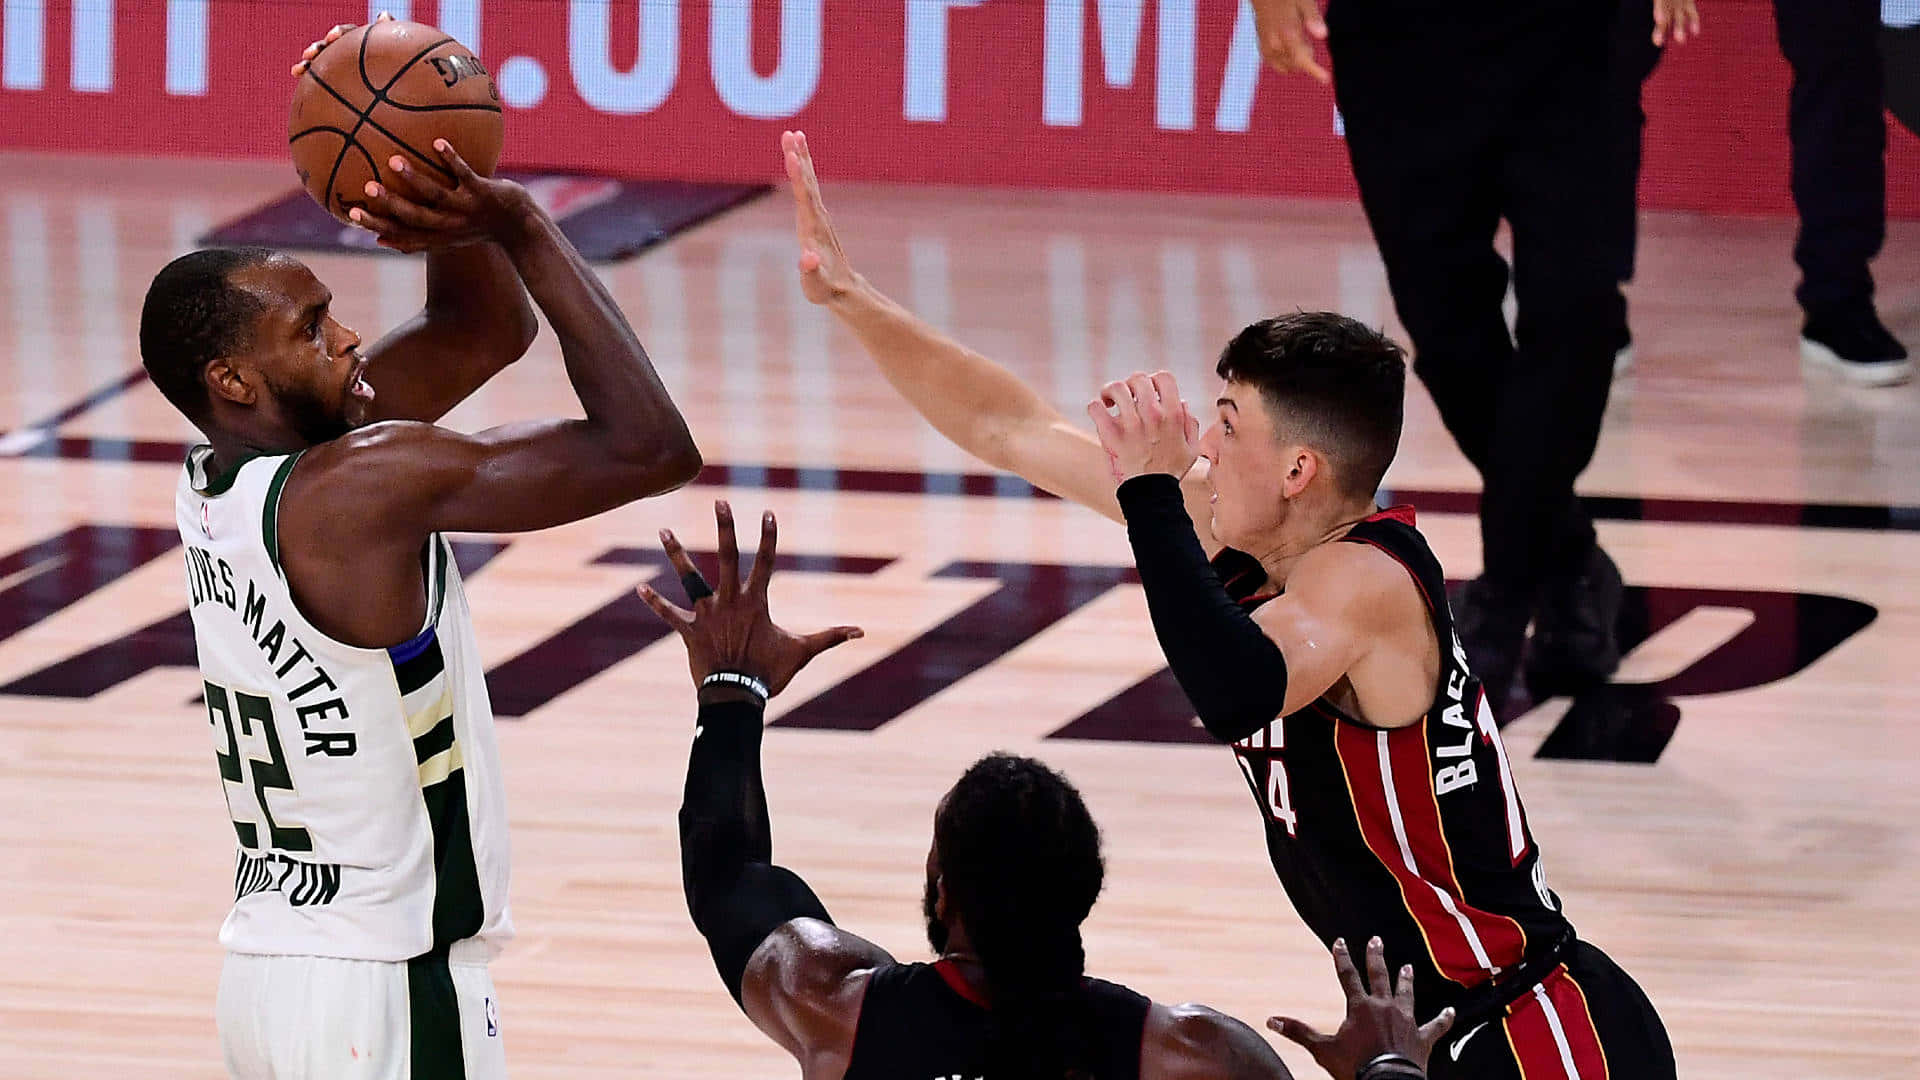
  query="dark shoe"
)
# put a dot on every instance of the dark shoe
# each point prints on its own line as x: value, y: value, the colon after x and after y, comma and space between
x: 1575, y: 643
x: 1492, y: 624
x: 1855, y: 346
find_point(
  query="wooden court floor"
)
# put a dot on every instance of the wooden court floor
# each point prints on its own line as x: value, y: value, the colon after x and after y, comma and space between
x: 1733, y: 820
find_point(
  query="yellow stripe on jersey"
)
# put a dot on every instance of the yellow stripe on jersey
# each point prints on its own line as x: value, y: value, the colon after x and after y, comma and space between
x: 425, y: 720
x: 441, y: 765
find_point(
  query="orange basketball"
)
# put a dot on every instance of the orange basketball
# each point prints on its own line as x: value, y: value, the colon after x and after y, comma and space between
x: 384, y: 89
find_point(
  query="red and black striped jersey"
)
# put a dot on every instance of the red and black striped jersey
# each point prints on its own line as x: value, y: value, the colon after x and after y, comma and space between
x: 1415, y: 834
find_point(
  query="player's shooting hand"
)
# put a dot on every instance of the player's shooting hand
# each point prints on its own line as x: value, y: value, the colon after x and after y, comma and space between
x: 1145, y: 427
x: 1287, y: 30
x: 333, y: 35
x: 422, y: 210
x: 1675, y: 20
x: 824, y: 273
x: 1379, y: 1020
x: 729, y: 628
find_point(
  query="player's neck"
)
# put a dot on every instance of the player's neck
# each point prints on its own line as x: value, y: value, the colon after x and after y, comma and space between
x: 230, y: 448
x: 1302, y: 532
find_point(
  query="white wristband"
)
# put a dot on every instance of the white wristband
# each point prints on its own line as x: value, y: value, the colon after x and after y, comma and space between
x: 734, y: 678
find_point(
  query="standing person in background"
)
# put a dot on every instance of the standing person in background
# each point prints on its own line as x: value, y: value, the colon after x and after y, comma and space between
x: 1839, y: 139
x: 1457, y: 117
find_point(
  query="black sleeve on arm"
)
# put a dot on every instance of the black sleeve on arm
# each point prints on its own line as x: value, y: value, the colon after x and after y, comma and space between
x: 735, y: 894
x: 1231, y: 670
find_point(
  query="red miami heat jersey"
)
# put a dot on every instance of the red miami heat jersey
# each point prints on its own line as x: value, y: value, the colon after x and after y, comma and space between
x: 1415, y: 835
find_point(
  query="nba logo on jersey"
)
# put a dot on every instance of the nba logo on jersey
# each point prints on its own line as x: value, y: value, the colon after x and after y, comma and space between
x: 493, y: 1019
x: 206, y: 521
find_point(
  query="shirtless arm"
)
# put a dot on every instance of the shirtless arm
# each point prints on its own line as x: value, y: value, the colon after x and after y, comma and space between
x: 476, y: 320
x: 373, y: 496
x: 979, y: 405
x: 1193, y: 1042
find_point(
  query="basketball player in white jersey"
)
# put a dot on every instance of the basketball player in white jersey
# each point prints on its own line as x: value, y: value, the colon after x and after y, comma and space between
x: 344, y: 690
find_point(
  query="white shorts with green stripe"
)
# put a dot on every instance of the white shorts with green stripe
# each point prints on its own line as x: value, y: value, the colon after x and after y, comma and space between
x: 316, y: 1018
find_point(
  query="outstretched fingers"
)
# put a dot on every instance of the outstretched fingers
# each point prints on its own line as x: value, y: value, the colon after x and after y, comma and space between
x: 821, y: 640
x: 1349, y: 975
x: 1377, y: 979
x: 729, y: 548
x: 675, y: 616
x: 762, y: 573
x: 1431, y: 1031
x: 1298, y: 1031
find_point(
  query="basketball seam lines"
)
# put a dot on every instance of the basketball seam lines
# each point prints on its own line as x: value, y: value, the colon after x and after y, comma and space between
x: 364, y: 118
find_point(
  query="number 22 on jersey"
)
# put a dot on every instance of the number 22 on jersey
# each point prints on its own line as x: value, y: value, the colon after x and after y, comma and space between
x: 253, y: 715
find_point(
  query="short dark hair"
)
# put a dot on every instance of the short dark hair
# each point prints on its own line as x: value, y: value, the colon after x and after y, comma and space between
x: 193, y: 315
x: 1019, y: 856
x: 1338, y: 382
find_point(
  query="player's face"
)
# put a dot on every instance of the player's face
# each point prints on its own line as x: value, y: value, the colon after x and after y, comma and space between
x: 313, y: 375
x: 930, y: 901
x: 1248, y: 467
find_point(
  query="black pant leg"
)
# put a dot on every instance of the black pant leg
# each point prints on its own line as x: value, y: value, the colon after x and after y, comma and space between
x: 1631, y: 1031
x: 1553, y: 159
x: 1633, y: 58
x: 1839, y: 146
x: 1419, y: 140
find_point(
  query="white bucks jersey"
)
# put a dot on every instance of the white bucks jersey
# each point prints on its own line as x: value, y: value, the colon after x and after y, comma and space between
x: 364, y: 784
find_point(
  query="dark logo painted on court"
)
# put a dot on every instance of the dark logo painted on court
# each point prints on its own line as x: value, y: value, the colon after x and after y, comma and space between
x: 1627, y: 722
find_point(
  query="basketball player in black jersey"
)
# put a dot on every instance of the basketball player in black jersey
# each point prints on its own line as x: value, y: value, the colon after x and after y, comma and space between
x: 1014, y: 869
x: 1311, y: 631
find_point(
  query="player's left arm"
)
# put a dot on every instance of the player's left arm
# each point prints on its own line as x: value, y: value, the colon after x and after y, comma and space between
x: 476, y: 321
x: 798, y: 977
x: 1242, y: 670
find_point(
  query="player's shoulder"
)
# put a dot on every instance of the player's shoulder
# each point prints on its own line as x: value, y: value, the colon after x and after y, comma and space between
x: 1358, y: 584
x: 1193, y: 1040
x: 813, y: 960
x: 369, y: 480
x: 387, y: 438
x: 1366, y: 572
x: 378, y: 458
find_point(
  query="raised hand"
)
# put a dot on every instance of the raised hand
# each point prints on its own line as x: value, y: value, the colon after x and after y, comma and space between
x: 1675, y: 20
x: 1145, y: 427
x: 1287, y: 30
x: 729, y: 628
x: 420, y: 211
x: 1379, y: 1020
x: 824, y: 273
x: 333, y: 35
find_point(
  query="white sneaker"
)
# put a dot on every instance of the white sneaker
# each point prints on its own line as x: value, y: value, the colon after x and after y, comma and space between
x: 1890, y: 372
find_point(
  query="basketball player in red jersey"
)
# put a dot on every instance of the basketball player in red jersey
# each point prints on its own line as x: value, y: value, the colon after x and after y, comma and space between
x: 1312, y: 633
x: 1014, y: 869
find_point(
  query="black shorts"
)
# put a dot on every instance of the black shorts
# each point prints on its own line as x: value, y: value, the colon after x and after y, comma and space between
x: 1588, y: 1020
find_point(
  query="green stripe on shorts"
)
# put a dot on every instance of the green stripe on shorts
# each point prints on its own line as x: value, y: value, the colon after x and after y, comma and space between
x: 434, y: 1009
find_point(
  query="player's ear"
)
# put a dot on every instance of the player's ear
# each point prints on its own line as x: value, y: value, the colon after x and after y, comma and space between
x: 1302, y: 466
x: 230, y: 381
